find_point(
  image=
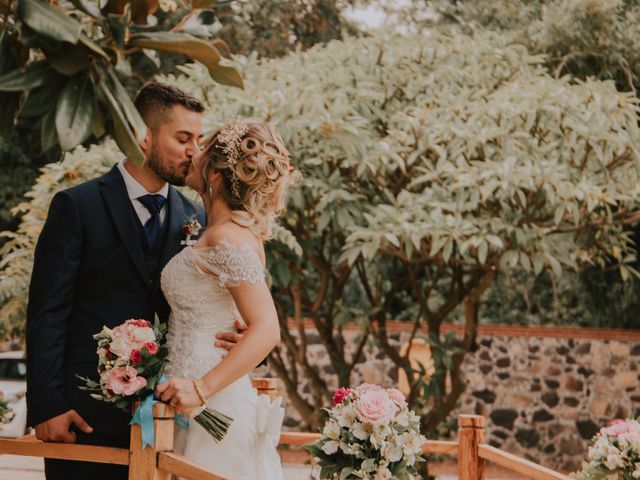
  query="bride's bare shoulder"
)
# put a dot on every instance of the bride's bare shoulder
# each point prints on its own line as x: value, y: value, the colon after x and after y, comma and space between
x: 232, y: 233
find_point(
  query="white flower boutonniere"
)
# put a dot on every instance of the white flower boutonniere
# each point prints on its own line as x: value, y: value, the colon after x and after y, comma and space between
x: 190, y: 229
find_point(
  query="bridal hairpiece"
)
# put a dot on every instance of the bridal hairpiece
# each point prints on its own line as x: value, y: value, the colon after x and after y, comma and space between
x: 231, y: 137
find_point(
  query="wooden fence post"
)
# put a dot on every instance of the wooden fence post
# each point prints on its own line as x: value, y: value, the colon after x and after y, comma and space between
x: 470, y: 435
x: 266, y: 386
x: 143, y: 463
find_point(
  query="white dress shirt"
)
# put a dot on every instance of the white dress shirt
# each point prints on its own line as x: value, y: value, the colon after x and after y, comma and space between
x: 135, y: 190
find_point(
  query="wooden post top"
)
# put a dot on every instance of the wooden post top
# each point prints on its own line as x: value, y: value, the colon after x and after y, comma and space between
x: 471, y: 421
x: 265, y: 383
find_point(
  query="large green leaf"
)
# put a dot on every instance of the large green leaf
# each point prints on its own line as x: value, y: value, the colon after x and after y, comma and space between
x: 10, y: 102
x: 42, y: 99
x: 200, y: 50
x: 48, y: 134
x: 89, y: 7
x: 128, y: 108
x: 75, y: 111
x: 32, y: 76
x: 121, y: 130
x: 70, y: 60
x: 49, y: 20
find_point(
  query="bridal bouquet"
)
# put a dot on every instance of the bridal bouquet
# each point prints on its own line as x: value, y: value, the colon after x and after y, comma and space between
x: 131, y: 361
x: 370, y: 434
x: 615, y: 454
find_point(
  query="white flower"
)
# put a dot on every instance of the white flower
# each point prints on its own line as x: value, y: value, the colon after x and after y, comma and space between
x: 403, y: 419
x: 383, y: 473
x: 347, y: 416
x: 120, y: 347
x: 412, y: 442
x: 330, y: 447
x: 350, y: 448
x: 393, y: 453
x: 369, y: 465
x: 331, y: 430
x: 359, y: 431
x: 144, y: 335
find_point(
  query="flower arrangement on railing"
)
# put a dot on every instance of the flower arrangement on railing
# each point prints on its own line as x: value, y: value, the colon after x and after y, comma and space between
x: 370, y: 434
x: 131, y: 361
x: 615, y: 454
x: 6, y: 414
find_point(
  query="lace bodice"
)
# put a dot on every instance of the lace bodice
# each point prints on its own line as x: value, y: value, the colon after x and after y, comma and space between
x: 195, y: 283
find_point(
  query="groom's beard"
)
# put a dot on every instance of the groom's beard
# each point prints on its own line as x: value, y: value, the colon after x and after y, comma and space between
x: 161, y: 167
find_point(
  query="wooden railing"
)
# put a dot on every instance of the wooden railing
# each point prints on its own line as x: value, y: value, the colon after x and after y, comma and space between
x: 159, y: 462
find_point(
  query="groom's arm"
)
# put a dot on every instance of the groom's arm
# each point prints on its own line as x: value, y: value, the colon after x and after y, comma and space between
x: 51, y: 293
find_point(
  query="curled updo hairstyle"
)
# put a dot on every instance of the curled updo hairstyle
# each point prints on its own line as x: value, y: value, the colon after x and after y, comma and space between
x: 263, y: 175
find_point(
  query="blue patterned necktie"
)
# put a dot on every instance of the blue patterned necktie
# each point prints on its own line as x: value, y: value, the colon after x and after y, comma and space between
x: 153, y: 227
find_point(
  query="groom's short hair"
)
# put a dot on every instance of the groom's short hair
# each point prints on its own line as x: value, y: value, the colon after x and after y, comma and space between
x: 154, y: 99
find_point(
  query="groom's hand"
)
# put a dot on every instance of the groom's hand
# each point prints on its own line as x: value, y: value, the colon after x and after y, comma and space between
x: 56, y: 429
x: 228, y: 340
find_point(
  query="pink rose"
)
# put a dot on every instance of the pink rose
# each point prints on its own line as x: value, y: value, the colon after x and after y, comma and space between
x: 135, y: 358
x: 375, y: 406
x: 397, y: 397
x: 151, y: 347
x: 138, y: 323
x: 125, y: 381
x: 619, y: 427
x: 340, y: 395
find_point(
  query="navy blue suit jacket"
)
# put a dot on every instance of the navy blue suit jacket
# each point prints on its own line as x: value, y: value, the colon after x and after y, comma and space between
x: 89, y: 271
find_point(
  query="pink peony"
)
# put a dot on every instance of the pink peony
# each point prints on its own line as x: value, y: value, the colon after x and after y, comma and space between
x: 125, y: 381
x: 151, y: 347
x: 397, y: 396
x: 340, y: 395
x: 374, y: 405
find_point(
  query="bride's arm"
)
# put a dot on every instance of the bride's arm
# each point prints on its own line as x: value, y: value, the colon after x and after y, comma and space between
x: 256, y: 307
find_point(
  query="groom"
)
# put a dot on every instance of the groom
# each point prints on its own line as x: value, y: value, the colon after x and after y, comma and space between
x: 98, y: 262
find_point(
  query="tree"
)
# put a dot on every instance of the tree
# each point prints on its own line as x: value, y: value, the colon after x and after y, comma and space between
x: 430, y: 165
x: 61, y: 66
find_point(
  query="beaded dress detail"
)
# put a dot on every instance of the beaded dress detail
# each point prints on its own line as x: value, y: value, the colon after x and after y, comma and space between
x: 195, y: 283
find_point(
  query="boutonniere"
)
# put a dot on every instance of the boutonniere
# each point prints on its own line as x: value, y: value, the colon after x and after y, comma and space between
x: 190, y: 228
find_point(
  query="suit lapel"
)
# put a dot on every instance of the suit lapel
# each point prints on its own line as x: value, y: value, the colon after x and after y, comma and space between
x: 117, y: 200
x: 176, y: 219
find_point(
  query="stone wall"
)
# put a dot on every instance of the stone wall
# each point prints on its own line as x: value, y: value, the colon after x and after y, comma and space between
x: 545, y: 392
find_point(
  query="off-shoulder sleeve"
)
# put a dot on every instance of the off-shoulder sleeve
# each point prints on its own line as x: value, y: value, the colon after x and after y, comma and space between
x: 234, y: 264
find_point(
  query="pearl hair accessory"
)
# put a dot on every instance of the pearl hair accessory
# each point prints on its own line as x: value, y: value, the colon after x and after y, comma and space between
x: 231, y: 137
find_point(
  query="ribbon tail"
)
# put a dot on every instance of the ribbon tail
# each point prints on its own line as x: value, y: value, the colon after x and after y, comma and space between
x: 143, y: 416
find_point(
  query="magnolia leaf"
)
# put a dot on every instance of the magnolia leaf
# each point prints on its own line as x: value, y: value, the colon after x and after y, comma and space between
x: 75, y: 112
x: 34, y: 75
x: 49, y: 21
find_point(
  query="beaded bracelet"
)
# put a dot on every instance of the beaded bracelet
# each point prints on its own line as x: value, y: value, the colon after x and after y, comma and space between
x: 201, y: 396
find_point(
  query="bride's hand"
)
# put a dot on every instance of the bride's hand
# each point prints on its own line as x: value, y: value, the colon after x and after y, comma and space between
x: 179, y: 393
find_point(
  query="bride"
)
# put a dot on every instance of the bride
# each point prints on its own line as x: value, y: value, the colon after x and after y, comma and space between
x: 242, y: 175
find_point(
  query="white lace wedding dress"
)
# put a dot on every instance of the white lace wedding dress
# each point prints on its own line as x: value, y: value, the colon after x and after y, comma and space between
x: 194, y: 283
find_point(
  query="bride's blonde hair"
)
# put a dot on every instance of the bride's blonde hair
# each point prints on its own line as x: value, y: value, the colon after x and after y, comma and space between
x: 256, y: 173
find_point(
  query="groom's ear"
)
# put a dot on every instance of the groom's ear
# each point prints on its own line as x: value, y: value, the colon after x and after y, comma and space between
x: 145, y: 145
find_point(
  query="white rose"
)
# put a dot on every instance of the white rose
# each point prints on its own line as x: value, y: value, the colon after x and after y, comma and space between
x: 330, y: 447
x: 331, y: 430
x: 120, y: 347
x: 144, y: 335
x: 393, y: 453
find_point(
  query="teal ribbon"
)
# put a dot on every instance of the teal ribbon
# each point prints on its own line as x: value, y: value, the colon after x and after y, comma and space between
x: 143, y: 416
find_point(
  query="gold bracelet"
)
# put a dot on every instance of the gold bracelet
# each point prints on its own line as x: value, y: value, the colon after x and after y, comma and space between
x: 202, y: 398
